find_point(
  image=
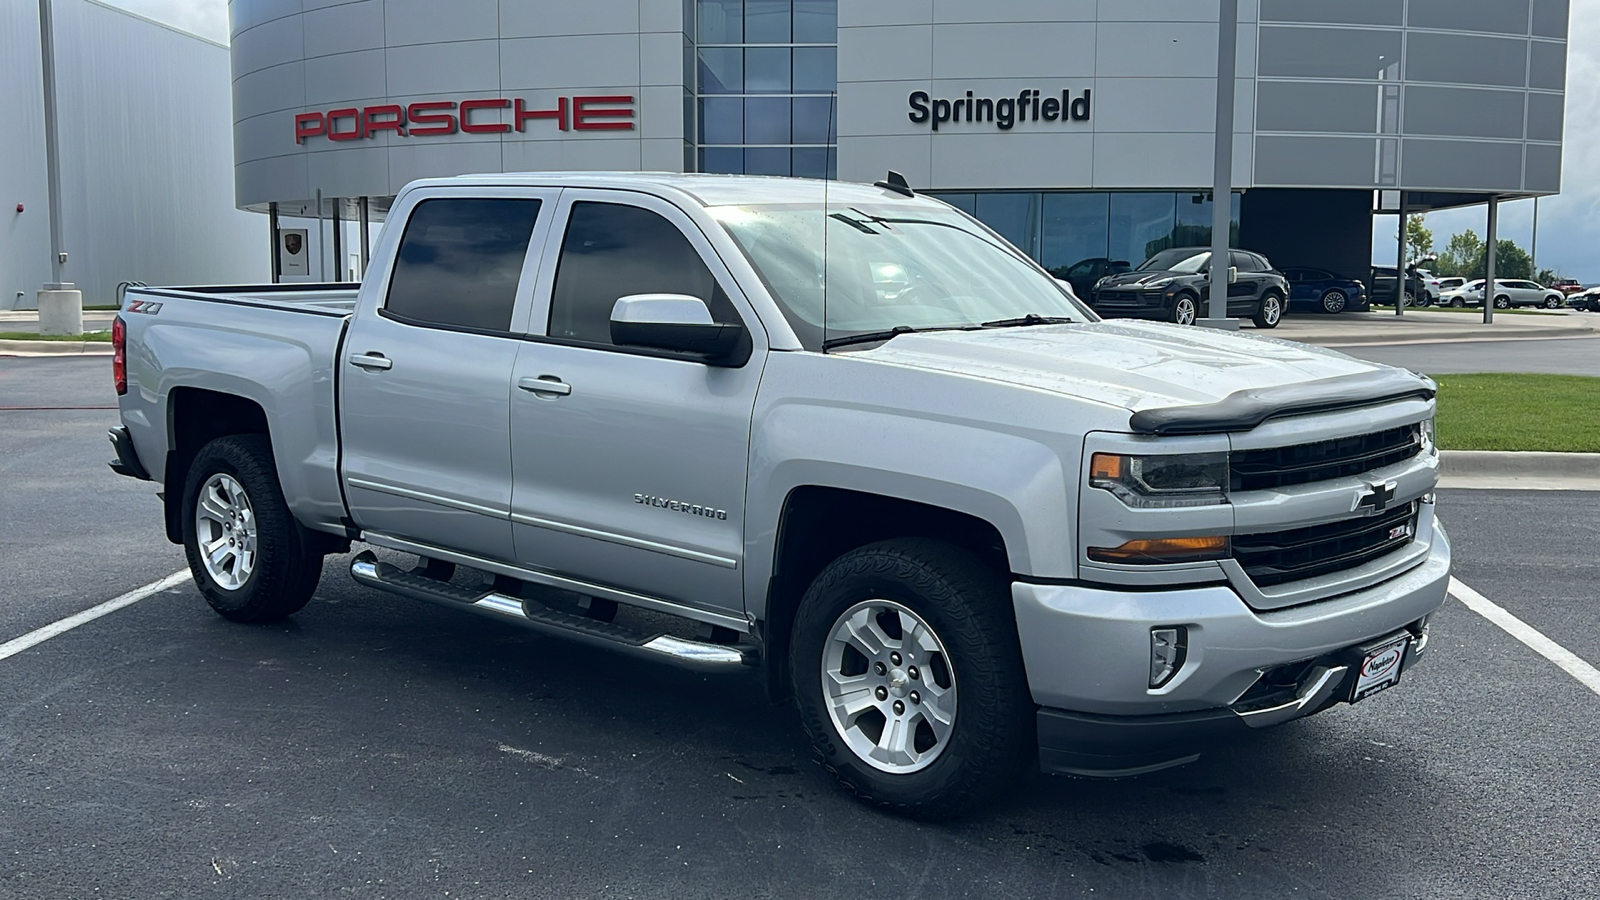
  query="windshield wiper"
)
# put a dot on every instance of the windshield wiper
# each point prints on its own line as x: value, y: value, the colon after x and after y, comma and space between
x: 866, y: 337
x: 1029, y: 319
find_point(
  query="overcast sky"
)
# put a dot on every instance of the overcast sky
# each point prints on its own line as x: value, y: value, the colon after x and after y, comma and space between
x: 1569, y: 224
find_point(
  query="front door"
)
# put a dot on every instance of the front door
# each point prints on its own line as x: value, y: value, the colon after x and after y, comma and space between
x: 629, y: 465
x: 426, y: 380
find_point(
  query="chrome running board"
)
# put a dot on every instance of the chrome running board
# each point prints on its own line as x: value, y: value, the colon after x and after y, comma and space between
x: 535, y: 616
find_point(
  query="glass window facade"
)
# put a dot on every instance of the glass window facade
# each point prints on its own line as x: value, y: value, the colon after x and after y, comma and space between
x: 1068, y: 231
x: 765, y: 78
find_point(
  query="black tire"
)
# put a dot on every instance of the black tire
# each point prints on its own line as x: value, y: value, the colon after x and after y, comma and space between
x: 1334, y: 301
x: 1502, y: 302
x: 286, y: 565
x: 967, y: 607
x: 1552, y: 303
x: 1457, y: 302
x: 1269, y: 312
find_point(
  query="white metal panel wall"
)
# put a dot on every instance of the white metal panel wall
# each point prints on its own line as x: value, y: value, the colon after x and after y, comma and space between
x: 24, y: 236
x: 1150, y: 65
x: 294, y: 56
x: 146, y: 153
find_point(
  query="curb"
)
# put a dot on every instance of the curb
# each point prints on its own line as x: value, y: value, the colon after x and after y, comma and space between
x: 55, y: 348
x: 1519, y: 471
x: 1408, y: 333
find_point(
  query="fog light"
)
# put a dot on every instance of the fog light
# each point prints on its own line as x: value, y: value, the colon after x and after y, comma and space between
x: 1168, y: 648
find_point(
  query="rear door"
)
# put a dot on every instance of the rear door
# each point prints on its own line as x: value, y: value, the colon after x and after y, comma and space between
x: 629, y: 465
x: 1246, y: 288
x: 426, y: 374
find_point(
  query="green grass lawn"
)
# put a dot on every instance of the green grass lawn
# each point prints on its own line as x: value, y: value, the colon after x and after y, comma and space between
x: 1519, y: 412
x: 102, y: 336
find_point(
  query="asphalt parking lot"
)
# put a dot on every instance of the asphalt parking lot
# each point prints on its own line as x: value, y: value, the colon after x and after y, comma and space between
x: 374, y: 747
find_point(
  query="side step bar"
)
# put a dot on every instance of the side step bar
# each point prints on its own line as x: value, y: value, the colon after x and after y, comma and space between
x: 696, y: 655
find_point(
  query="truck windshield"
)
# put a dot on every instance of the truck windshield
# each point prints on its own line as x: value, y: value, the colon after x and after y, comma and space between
x: 887, y: 268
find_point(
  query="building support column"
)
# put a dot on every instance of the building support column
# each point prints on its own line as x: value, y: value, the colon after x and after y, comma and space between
x: 1489, y: 250
x: 1400, y: 277
x: 322, y: 243
x: 366, y: 234
x: 1222, y: 173
x: 272, y: 226
x: 338, y: 239
x: 52, y: 141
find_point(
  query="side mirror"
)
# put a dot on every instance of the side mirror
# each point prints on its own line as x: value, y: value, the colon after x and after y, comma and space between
x: 679, y: 323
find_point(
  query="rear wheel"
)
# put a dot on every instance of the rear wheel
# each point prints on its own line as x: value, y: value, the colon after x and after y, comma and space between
x: 1502, y: 302
x: 249, y: 557
x: 1334, y: 301
x: 1270, y: 312
x: 909, y: 678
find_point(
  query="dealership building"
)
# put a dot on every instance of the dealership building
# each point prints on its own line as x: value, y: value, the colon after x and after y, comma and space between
x: 1082, y: 130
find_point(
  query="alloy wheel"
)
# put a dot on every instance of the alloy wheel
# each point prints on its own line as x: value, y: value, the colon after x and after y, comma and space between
x: 1183, y: 311
x: 889, y: 687
x: 1333, y: 302
x: 225, y: 526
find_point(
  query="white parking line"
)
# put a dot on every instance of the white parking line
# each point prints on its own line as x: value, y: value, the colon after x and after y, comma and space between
x: 1586, y: 674
x: 38, y: 636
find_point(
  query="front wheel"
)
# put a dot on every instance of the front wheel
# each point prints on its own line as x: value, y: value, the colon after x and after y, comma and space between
x: 1334, y: 301
x: 1269, y: 313
x: 249, y: 557
x: 1184, y: 309
x: 909, y: 678
x: 1457, y: 302
x: 1552, y: 303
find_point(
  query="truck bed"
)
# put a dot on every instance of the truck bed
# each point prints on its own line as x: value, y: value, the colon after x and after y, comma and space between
x: 327, y: 299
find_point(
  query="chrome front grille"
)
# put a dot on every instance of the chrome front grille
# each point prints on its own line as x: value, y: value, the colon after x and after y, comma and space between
x: 1254, y: 470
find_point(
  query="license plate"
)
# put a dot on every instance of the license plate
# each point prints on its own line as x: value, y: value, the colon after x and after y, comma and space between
x: 1380, y: 668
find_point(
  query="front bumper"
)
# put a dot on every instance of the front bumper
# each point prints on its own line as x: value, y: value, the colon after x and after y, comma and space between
x: 1087, y: 651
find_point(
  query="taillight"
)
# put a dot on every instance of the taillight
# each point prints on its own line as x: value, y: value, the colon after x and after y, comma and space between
x: 119, y: 355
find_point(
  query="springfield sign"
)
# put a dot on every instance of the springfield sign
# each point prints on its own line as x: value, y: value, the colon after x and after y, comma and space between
x: 1005, y: 112
x: 474, y: 116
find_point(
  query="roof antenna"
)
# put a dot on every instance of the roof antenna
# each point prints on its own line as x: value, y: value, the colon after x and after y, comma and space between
x: 896, y: 182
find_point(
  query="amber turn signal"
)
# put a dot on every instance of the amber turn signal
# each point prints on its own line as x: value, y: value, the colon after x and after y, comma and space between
x: 1106, y: 465
x: 1164, y: 550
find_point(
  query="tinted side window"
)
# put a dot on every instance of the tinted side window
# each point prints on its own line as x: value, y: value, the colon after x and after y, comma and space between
x: 611, y: 251
x: 460, y: 261
x: 1242, y: 261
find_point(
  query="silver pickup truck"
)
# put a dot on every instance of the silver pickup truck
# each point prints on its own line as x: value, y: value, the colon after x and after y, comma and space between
x: 840, y: 433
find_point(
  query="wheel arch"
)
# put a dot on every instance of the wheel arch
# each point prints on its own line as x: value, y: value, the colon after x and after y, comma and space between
x: 196, y: 417
x: 818, y: 524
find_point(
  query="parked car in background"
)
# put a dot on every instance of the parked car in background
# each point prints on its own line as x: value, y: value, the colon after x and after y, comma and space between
x: 1083, y: 274
x: 1175, y: 284
x: 1467, y: 293
x: 1588, y: 299
x: 1509, y: 293
x: 1568, y: 286
x: 1382, y: 286
x: 1323, y: 291
x: 1431, y: 286
x: 1449, y: 284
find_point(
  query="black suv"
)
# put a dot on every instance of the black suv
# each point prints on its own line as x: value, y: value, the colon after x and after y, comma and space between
x: 1174, y: 285
x: 1382, y: 282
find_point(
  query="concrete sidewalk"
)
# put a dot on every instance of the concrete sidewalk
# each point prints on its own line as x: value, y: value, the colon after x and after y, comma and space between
x: 28, y: 320
x: 1423, y: 325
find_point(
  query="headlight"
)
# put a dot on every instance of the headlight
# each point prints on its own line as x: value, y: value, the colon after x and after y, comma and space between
x: 1157, y: 284
x: 1187, y: 479
x: 1425, y: 431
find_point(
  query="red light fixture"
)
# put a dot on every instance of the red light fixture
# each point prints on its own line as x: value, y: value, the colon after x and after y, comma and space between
x: 119, y: 355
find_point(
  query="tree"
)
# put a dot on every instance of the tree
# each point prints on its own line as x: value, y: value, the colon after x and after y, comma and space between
x: 1510, y: 261
x: 1463, y: 250
x: 1419, y: 240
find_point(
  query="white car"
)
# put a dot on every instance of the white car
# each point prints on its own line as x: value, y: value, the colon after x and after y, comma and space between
x: 1431, y: 285
x: 1509, y: 294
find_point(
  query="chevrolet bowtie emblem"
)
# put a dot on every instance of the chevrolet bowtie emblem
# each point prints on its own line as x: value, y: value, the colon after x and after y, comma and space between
x: 1375, y: 497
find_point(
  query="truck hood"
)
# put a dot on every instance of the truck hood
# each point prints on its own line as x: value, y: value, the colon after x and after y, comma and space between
x: 1133, y: 365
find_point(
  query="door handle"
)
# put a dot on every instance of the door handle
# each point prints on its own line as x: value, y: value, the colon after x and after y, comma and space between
x: 545, y: 384
x: 371, y: 361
